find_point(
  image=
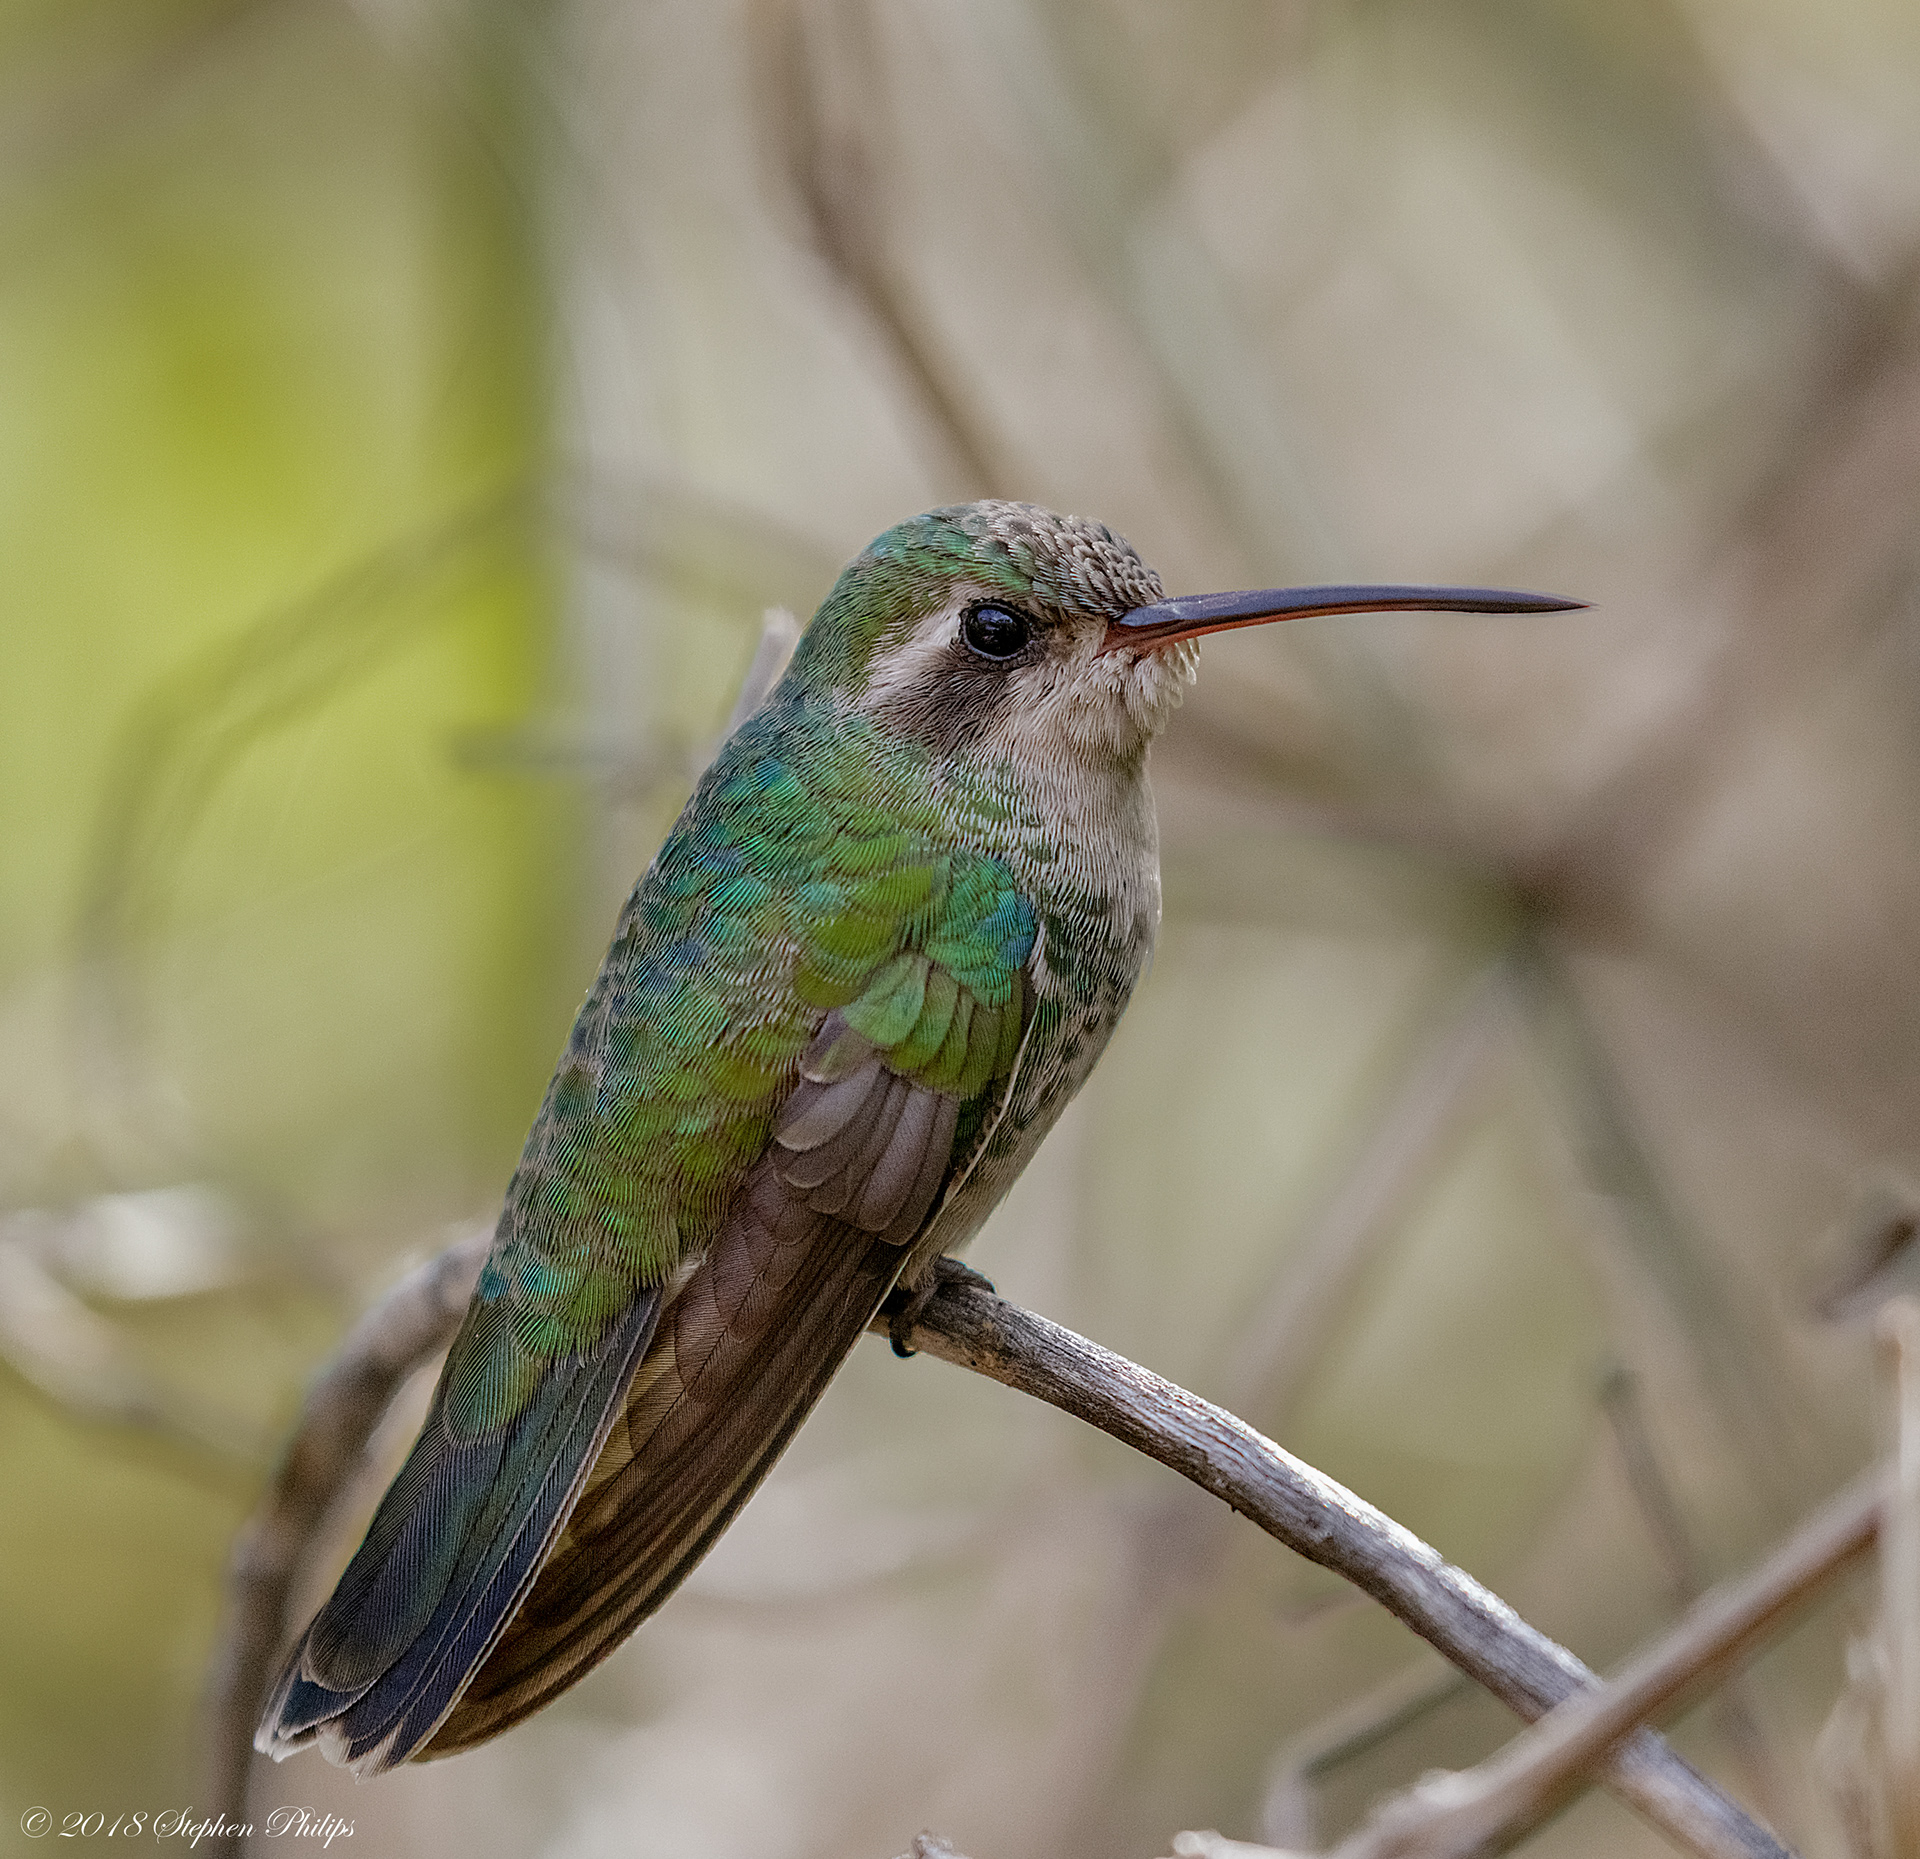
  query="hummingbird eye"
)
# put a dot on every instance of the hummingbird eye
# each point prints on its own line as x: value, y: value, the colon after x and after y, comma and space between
x: 996, y: 632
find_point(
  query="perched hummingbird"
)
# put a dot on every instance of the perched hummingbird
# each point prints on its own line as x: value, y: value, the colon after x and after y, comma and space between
x: 878, y: 953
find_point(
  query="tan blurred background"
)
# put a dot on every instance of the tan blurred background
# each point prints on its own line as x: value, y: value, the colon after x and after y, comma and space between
x: 407, y: 410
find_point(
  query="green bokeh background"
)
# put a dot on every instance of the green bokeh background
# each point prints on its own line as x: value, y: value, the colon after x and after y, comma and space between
x: 267, y: 319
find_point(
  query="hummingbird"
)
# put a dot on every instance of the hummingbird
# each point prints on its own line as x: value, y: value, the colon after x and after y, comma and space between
x: 879, y: 952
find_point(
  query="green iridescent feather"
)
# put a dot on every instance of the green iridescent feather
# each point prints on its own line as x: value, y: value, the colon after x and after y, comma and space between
x: 701, y: 1155
x: 796, y: 883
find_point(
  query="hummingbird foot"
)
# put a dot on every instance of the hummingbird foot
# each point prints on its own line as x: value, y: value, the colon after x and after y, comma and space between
x: 904, y: 1308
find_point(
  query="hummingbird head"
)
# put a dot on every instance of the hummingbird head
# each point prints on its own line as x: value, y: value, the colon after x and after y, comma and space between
x: 985, y: 628
x: 1003, y: 630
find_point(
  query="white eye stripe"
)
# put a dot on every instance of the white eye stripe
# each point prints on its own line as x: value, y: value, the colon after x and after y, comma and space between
x: 905, y: 668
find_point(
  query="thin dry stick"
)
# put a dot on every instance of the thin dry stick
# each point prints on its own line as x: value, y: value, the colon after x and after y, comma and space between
x: 1900, y: 1585
x: 85, y: 1365
x: 407, y: 1328
x: 1491, y: 1808
x: 1738, y: 1720
x: 825, y: 98
x: 1869, y: 1753
x: 779, y: 634
x: 1284, y: 1339
x: 931, y: 1846
x: 1738, y: 1362
x: 1328, y: 1524
x: 1289, y: 1815
x: 974, y: 1329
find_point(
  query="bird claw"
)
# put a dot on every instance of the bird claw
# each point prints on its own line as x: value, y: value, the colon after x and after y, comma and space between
x: 905, y: 1308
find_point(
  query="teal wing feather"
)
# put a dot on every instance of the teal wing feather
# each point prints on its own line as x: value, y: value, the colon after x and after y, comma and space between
x: 888, y: 1092
x: 810, y: 1002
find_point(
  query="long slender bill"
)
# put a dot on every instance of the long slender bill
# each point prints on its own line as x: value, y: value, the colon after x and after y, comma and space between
x: 1186, y: 615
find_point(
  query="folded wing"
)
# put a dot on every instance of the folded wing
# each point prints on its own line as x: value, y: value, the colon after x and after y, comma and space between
x: 861, y: 1151
x: 801, y: 1033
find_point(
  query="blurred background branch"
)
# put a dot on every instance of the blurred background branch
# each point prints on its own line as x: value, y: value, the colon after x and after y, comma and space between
x: 406, y: 1331
x: 1492, y: 1809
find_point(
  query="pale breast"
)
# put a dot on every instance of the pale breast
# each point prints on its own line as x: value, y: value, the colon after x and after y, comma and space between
x: 1091, y: 866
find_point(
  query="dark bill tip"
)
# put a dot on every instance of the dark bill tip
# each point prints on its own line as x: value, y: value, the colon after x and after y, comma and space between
x: 1187, y: 615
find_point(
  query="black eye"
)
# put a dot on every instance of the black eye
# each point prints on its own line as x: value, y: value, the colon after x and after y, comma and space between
x: 996, y: 632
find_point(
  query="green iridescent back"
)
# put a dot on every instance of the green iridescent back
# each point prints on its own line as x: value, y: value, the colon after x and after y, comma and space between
x: 810, y: 871
x: 869, y: 966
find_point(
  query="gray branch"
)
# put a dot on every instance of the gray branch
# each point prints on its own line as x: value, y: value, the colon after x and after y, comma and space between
x: 970, y: 1327
x: 1323, y: 1521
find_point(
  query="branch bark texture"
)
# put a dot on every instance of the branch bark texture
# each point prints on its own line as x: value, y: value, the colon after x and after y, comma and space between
x: 1323, y: 1521
x: 1491, y: 1808
x: 970, y: 1327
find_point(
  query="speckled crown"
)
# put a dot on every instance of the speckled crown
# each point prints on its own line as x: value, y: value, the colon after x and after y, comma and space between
x: 1067, y: 559
x: 1015, y: 549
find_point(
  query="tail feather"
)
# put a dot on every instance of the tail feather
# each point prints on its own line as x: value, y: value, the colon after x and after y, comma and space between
x: 739, y: 1362
x: 452, y: 1551
x: 519, y: 1547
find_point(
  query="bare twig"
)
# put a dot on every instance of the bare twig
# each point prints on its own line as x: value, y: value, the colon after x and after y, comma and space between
x: 84, y: 1364
x: 1900, y: 1584
x: 1288, y: 1817
x: 1207, y: 1844
x: 191, y: 725
x: 1874, y: 1252
x: 970, y: 1327
x: 1737, y: 1358
x: 1487, y: 1810
x: 407, y: 1328
x: 779, y: 634
x: 1284, y: 1339
x: 825, y: 91
x: 1734, y: 1711
x: 931, y: 1846
x: 1328, y: 1524
x: 1869, y: 1752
